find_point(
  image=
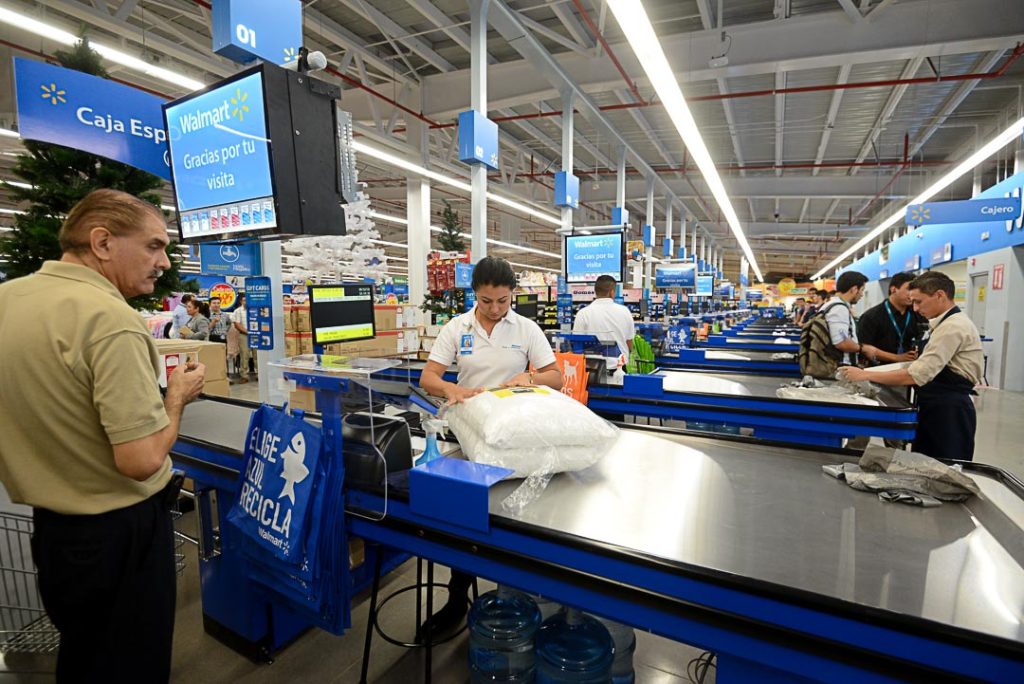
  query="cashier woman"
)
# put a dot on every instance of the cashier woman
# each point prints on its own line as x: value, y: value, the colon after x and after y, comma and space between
x: 949, y: 366
x: 493, y: 346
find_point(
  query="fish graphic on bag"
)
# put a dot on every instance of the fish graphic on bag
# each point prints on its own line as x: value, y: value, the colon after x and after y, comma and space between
x: 294, y: 470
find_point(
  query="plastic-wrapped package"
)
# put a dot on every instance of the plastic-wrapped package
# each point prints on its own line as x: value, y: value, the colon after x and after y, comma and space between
x: 535, y: 431
x: 832, y: 394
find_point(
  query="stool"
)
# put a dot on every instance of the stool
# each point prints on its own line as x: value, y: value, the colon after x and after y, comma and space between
x: 372, y: 623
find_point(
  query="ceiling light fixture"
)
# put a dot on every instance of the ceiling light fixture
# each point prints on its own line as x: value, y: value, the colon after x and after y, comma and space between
x: 636, y: 25
x: 395, y: 160
x: 1015, y: 130
x: 63, y: 37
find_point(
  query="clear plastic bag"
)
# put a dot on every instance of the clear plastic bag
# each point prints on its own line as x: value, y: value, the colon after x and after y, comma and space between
x: 535, y: 431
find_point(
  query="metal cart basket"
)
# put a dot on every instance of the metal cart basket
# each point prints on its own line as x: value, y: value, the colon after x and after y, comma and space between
x: 24, y: 626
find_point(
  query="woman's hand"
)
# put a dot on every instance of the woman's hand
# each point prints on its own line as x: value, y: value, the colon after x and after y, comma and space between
x: 456, y: 395
x: 521, y: 380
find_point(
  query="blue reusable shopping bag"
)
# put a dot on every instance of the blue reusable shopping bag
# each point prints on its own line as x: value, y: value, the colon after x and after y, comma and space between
x: 282, y: 459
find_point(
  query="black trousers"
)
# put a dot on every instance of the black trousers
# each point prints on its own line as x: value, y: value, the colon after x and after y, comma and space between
x: 108, y: 584
x: 946, y: 424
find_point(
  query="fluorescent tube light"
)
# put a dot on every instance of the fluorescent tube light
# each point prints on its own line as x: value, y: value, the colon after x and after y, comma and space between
x: 984, y: 152
x: 397, y: 161
x: 7, y: 133
x: 635, y: 24
x: 63, y: 37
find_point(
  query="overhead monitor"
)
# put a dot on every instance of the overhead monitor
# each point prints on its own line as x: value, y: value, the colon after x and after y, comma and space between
x: 341, y: 313
x: 675, y: 275
x: 587, y: 257
x: 256, y: 155
x: 705, y: 286
x: 526, y: 306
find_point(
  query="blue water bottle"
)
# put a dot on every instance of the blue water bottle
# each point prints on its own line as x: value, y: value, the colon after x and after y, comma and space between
x: 573, y: 648
x: 433, y: 428
x: 502, y: 627
x: 624, y: 640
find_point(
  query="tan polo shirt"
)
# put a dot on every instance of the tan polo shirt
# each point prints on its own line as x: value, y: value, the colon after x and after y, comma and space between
x: 78, y: 373
x: 955, y: 343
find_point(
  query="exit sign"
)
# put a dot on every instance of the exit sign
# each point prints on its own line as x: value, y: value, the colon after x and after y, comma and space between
x: 247, y: 30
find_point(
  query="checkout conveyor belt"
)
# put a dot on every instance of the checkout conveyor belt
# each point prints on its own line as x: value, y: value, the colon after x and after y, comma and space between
x: 747, y: 550
x: 747, y: 400
x: 732, y: 360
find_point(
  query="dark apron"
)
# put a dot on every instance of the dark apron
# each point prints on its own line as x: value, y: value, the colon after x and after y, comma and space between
x: 946, y: 419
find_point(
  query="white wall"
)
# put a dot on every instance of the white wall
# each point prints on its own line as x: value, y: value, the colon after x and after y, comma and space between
x: 1003, y: 321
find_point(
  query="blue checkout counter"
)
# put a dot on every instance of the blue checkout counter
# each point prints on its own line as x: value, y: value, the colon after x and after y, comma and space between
x: 750, y: 401
x: 744, y: 549
x: 732, y: 361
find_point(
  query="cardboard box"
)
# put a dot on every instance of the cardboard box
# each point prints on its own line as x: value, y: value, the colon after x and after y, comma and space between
x: 291, y: 344
x: 305, y: 342
x: 289, y: 318
x: 302, y: 321
x: 356, y: 552
x: 302, y: 398
x: 391, y: 317
x: 212, y: 354
x: 217, y: 388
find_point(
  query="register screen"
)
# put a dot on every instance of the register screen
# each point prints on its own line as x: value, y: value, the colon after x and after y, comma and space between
x: 341, y: 313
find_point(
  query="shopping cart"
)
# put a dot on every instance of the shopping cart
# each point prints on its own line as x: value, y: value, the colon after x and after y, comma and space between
x: 24, y: 626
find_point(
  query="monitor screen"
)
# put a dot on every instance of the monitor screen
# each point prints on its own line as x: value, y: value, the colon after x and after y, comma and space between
x: 675, y: 275
x: 587, y: 257
x: 705, y: 286
x: 526, y: 306
x: 221, y: 161
x: 341, y: 313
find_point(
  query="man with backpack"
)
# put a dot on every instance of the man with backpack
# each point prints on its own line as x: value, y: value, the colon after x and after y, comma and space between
x: 829, y: 337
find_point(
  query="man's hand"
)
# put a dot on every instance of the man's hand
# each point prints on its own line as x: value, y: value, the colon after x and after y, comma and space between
x: 908, y: 356
x: 854, y: 374
x: 870, y: 351
x: 186, y: 382
x: 521, y: 380
x: 456, y: 395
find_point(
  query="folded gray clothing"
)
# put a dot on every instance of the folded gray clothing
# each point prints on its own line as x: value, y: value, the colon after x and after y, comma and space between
x: 906, y: 475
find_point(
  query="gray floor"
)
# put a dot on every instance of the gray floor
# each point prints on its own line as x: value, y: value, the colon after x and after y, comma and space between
x: 320, y: 657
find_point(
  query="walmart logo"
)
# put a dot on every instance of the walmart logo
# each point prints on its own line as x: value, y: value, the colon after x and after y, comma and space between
x: 53, y: 94
x: 290, y: 55
x: 238, y: 102
x: 920, y: 214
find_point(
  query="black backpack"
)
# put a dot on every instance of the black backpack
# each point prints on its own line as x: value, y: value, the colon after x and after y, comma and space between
x: 818, y: 357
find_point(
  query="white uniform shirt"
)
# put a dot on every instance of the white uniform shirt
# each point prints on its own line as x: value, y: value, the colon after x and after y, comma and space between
x: 489, y: 360
x: 841, y: 327
x: 239, y: 316
x: 605, y: 315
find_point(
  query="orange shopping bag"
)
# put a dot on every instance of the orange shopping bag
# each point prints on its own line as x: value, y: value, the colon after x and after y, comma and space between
x: 574, y: 375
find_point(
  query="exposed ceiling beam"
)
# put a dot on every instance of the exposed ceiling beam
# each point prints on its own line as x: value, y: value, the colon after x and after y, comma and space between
x: 851, y: 10
x: 390, y: 28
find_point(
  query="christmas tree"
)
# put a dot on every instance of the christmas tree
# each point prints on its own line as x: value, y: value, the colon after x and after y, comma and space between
x: 451, y: 239
x: 57, y: 178
x: 330, y: 257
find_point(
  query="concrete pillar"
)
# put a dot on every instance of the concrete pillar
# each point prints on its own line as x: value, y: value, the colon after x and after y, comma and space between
x: 478, y: 101
x: 418, y: 214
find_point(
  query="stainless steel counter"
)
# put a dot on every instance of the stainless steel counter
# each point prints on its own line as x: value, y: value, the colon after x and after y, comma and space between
x: 769, y: 514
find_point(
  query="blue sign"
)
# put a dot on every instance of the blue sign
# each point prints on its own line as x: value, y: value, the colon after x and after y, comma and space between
x: 589, y: 256
x: 966, y: 211
x: 564, y: 309
x: 567, y: 190
x: 246, y: 30
x: 620, y: 216
x: 259, y: 312
x: 744, y: 280
x: 463, y: 275
x: 705, y: 286
x: 754, y: 295
x: 470, y: 300
x: 221, y: 160
x: 667, y: 247
x: 648, y: 235
x: 676, y: 275
x: 92, y: 114
x: 239, y: 259
x: 478, y: 139
x: 563, y: 287
x: 941, y: 255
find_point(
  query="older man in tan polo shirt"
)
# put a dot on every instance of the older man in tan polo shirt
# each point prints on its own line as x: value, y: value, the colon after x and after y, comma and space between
x: 85, y: 438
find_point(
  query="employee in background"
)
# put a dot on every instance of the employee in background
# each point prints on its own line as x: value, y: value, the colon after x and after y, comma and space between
x: 86, y: 436
x: 950, y: 364
x: 238, y: 321
x: 220, y: 322
x: 179, y: 317
x: 604, y: 315
x: 893, y: 327
x: 198, y: 326
x: 799, y: 309
x: 492, y: 346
